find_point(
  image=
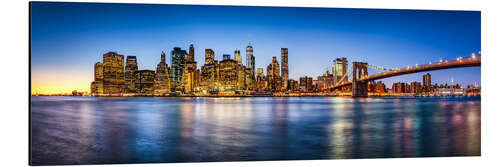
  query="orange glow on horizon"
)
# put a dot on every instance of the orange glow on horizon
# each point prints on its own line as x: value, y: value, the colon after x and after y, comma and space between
x: 59, y: 83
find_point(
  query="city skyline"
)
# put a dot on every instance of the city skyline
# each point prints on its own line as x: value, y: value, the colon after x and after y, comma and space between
x: 55, y: 64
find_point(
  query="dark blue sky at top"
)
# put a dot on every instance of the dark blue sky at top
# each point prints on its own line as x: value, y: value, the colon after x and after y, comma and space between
x: 71, y: 37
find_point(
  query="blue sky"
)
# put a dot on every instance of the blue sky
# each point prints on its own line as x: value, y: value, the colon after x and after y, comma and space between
x: 68, y: 38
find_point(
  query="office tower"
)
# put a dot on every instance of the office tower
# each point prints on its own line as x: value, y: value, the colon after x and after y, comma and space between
x: 189, y: 76
x: 249, y: 79
x: 325, y: 80
x: 190, y: 57
x: 97, y: 84
x: 293, y: 85
x: 113, y: 67
x: 130, y: 70
x: 339, y: 70
x: 208, y: 76
x: 241, y: 75
x: 305, y: 84
x: 261, y: 81
x: 162, y: 78
x: 178, y: 65
x: 226, y: 57
x: 399, y: 87
x: 284, y: 68
x: 275, y: 79
x: 250, y: 59
x: 228, y: 74
x: 237, y: 56
x: 145, y: 82
x: 415, y: 87
x: 427, y: 82
x: 209, y: 56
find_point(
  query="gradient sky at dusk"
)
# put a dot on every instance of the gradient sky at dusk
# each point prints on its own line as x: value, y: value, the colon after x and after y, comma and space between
x: 68, y: 38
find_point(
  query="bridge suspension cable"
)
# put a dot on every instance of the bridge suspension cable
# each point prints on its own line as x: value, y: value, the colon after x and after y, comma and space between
x: 379, y: 68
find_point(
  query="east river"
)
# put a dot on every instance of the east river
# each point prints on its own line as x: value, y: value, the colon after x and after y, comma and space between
x: 99, y: 130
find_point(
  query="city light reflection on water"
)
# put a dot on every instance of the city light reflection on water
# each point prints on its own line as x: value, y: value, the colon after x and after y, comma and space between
x: 91, y: 130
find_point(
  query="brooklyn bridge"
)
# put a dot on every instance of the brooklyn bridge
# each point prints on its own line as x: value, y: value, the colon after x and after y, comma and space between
x: 359, y: 78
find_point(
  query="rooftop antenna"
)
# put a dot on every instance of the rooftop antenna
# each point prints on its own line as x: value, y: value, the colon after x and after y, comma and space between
x: 249, y: 40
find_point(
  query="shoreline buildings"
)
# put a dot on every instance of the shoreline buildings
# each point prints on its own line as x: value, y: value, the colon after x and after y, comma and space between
x: 117, y: 76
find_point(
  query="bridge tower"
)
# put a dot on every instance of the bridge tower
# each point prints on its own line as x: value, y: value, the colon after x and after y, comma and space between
x: 359, y: 88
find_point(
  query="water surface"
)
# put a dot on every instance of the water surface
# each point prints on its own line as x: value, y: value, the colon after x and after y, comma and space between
x: 97, y: 130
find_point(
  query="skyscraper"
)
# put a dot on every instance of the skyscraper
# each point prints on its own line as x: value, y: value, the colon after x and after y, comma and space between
x: 96, y: 88
x: 209, y: 56
x: 228, y: 74
x: 113, y: 66
x: 130, y: 70
x: 426, y: 80
x: 250, y: 59
x: 145, y: 81
x: 162, y: 79
x: 208, y: 76
x: 237, y: 56
x: 284, y: 68
x: 178, y: 64
x: 339, y: 70
x: 226, y: 57
x: 190, y: 57
x: 275, y: 79
x: 190, y: 77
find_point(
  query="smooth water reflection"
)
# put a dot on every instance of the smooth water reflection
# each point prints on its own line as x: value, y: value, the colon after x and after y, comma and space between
x: 91, y: 130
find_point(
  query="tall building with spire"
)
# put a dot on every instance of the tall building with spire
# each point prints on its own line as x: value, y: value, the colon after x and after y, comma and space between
x: 162, y: 79
x: 190, y: 75
x: 190, y: 56
x: 250, y: 59
x: 284, y: 68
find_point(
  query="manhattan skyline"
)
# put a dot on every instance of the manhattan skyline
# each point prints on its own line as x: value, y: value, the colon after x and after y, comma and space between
x: 68, y: 38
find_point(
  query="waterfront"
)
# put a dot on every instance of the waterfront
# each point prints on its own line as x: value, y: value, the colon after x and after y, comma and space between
x: 96, y: 130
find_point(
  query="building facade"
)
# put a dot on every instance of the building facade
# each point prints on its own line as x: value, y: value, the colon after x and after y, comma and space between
x: 162, y: 78
x: 113, y: 72
x: 177, y: 70
x: 284, y: 68
x: 340, y: 68
x: 130, y: 70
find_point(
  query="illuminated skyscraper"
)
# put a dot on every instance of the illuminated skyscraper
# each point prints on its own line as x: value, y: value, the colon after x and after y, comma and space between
x: 284, y: 68
x: 275, y: 79
x: 130, y: 70
x: 426, y: 80
x: 190, y: 77
x: 339, y: 69
x: 190, y: 56
x: 208, y: 76
x: 241, y: 75
x: 162, y: 79
x: 226, y: 57
x: 113, y: 67
x: 209, y: 56
x: 145, y: 82
x: 178, y: 65
x: 96, y: 87
x: 237, y: 56
x: 228, y: 74
x: 261, y: 80
x: 305, y: 84
x: 250, y: 59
